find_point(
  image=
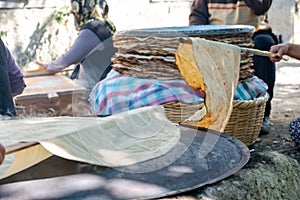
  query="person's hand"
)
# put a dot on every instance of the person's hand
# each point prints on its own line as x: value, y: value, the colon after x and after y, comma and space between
x: 42, y: 64
x: 2, y: 153
x: 279, y: 50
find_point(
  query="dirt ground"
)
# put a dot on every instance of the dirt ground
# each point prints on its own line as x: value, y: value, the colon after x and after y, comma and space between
x: 285, y: 108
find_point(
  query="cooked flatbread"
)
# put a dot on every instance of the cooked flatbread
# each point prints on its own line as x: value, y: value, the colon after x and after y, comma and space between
x: 188, y: 68
x: 212, y: 67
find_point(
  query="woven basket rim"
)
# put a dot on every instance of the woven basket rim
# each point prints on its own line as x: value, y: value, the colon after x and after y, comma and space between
x: 251, y: 103
x: 257, y: 99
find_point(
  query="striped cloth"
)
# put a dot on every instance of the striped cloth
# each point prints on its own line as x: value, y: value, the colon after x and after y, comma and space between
x: 117, y: 93
x: 250, y: 89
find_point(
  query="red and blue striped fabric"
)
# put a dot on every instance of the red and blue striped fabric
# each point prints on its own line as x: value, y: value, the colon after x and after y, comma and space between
x: 117, y: 93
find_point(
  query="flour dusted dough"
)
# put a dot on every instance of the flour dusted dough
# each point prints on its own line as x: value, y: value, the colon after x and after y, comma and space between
x: 212, y: 67
x: 119, y: 140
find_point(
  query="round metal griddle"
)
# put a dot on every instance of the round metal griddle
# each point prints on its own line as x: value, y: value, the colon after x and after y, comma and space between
x: 56, y: 178
x: 192, y: 31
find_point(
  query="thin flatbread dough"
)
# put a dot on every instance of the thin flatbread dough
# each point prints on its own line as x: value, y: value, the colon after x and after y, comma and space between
x: 119, y: 140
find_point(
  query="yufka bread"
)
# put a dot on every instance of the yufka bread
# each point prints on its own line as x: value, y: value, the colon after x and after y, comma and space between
x: 213, y: 68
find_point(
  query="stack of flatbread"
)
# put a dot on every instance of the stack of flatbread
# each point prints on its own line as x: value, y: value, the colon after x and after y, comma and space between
x: 150, y: 53
x: 146, y: 57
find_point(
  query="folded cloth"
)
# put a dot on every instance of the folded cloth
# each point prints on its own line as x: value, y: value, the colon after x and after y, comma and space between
x: 117, y: 93
x: 250, y: 89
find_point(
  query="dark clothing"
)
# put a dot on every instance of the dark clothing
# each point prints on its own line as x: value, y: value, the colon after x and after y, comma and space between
x: 16, y: 78
x: 99, y: 28
x: 6, y: 101
x: 264, y: 68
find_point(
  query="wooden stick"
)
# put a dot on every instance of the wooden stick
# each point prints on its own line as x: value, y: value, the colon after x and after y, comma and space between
x: 43, y: 73
x: 247, y: 50
x: 261, y: 53
x: 19, y: 146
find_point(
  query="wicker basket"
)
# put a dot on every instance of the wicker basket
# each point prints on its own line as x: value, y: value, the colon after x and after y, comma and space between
x: 244, y: 123
x: 149, y: 53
